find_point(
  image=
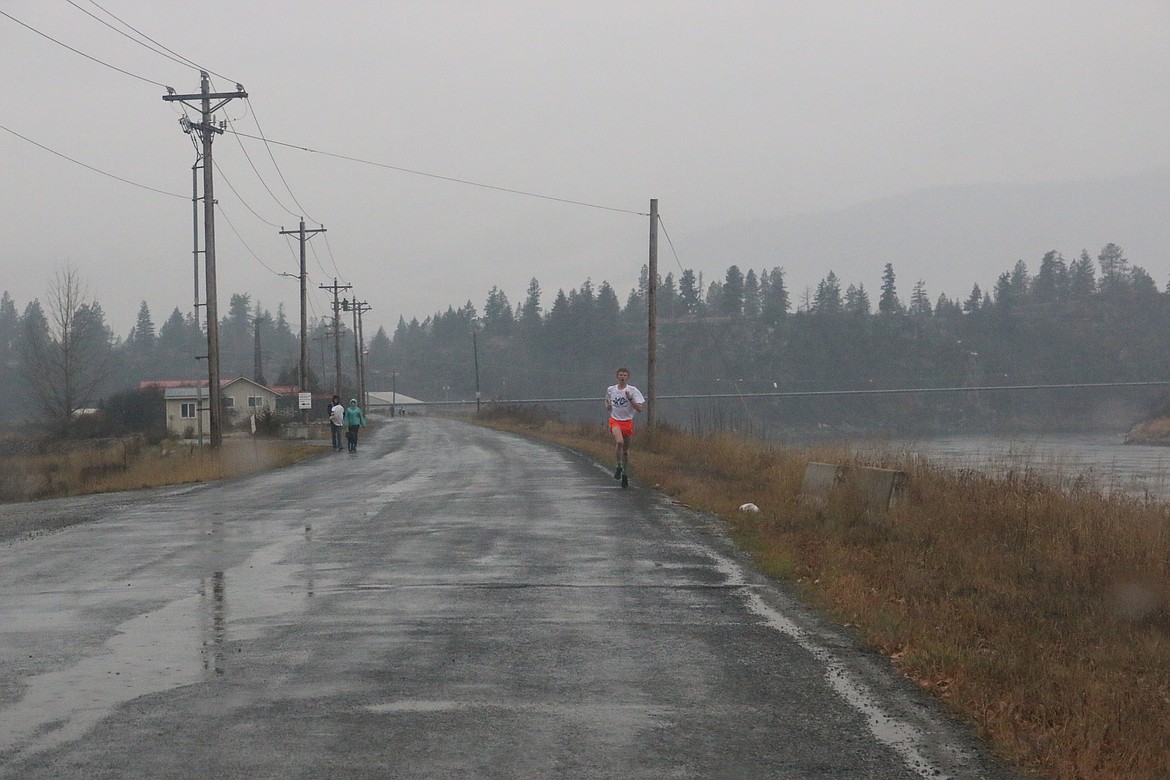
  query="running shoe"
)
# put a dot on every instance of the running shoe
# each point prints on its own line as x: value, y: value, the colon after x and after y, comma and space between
x: 625, y: 480
x: 617, y: 473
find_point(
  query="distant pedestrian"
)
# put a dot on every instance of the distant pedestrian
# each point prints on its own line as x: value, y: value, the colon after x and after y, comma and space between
x: 336, y: 421
x: 354, y: 419
x: 621, y: 401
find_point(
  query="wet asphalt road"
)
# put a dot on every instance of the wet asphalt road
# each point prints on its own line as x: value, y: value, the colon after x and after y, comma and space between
x: 447, y: 602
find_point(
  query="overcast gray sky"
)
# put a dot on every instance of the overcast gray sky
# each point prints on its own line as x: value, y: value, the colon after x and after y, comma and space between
x: 726, y: 112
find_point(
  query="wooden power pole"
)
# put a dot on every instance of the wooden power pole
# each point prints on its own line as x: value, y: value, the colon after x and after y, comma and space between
x: 336, y: 288
x: 303, y: 375
x: 207, y: 130
x: 652, y: 315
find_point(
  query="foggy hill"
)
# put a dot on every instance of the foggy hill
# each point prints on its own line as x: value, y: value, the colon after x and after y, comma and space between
x: 952, y: 237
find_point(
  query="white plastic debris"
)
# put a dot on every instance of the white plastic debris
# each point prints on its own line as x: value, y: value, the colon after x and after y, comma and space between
x: 748, y: 507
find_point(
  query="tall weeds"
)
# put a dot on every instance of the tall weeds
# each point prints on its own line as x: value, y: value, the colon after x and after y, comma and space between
x: 130, y: 465
x: 1040, y: 614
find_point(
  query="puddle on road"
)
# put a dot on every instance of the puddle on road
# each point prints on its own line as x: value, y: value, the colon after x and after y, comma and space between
x: 182, y: 643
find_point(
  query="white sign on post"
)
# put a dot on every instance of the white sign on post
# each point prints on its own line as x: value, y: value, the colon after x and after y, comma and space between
x: 304, y: 400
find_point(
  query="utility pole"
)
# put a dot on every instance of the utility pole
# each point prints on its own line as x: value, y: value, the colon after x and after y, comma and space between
x: 322, y: 340
x: 357, y: 349
x: 336, y: 288
x: 303, y: 375
x: 475, y: 351
x: 652, y: 307
x: 359, y: 345
x: 257, y: 354
x: 393, y: 393
x: 207, y: 130
x: 362, y: 308
x: 196, y: 253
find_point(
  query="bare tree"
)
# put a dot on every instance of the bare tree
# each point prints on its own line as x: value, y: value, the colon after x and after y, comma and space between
x: 65, y: 348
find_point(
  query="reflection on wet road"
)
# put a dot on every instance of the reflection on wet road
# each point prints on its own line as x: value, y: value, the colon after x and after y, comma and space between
x: 448, y: 601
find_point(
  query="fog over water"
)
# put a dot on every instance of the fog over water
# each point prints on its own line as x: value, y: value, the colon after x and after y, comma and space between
x: 1102, y: 458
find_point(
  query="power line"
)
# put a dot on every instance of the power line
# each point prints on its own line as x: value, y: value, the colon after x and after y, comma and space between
x: 332, y: 259
x: 448, y: 178
x: 248, y: 157
x: 245, y: 243
x: 83, y: 54
x: 90, y: 167
x: 271, y: 156
x: 184, y: 60
x: 671, y: 243
x: 241, y: 198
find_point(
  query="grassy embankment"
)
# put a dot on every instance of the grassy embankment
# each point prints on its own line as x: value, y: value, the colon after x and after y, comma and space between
x: 81, y: 469
x: 1037, y: 614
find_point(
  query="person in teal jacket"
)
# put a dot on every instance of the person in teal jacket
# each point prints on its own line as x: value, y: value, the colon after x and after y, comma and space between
x: 354, y: 419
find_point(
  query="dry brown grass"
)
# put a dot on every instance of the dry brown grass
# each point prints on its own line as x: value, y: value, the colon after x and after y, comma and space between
x: 128, y: 465
x: 1040, y: 615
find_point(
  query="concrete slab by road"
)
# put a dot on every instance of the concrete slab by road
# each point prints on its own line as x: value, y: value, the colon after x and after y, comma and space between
x: 447, y: 602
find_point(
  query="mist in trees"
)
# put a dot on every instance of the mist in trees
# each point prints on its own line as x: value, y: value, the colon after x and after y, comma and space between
x: 1089, y: 320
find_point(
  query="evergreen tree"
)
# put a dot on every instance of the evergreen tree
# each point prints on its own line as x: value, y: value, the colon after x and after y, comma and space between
x: 857, y: 300
x: 530, y: 319
x: 732, y: 296
x: 945, y: 308
x: 888, y: 302
x: 920, y: 300
x: 1006, y: 298
x: 498, y: 319
x: 975, y: 300
x: 751, y: 295
x: 1115, y: 271
x: 1020, y: 281
x: 689, y: 291
x: 775, y: 304
x: 179, y: 342
x: 669, y: 306
x: 1082, y: 278
x: 10, y: 371
x: 828, y: 296
x: 714, y: 300
x: 143, y: 335
x: 1052, y: 281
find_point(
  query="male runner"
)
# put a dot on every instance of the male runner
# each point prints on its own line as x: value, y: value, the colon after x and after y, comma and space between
x: 621, y: 401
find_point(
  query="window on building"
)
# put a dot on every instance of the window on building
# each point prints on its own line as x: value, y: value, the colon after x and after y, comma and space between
x: 256, y: 402
x: 187, y: 411
x: 229, y: 402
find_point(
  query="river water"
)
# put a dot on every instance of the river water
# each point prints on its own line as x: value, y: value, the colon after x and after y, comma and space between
x: 1135, y: 469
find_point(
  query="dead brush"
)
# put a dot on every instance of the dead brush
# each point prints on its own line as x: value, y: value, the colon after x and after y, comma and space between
x: 1039, y: 613
x: 72, y: 472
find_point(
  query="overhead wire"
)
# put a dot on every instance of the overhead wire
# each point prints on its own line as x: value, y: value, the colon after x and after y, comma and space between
x: 173, y: 56
x: 228, y: 182
x: 670, y: 244
x: 329, y: 247
x: 184, y: 62
x: 90, y: 167
x: 131, y: 27
x: 83, y: 54
x: 453, y: 179
x: 255, y: 170
x: 317, y: 259
x: 267, y: 267
x: 271, y: 156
